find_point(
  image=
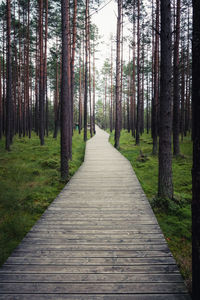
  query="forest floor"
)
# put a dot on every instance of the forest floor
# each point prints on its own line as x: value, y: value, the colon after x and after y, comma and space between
x: 174, y: 217
x: 29, y: 182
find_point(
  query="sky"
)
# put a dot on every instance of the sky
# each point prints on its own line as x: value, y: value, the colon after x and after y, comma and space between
x: 106, y: 21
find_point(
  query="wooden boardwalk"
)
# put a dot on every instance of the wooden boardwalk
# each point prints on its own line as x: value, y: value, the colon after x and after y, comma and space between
x: 99, y: 239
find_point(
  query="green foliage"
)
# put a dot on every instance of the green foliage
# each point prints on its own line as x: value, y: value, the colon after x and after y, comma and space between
x: 174, y: 216
x: 29, y: 182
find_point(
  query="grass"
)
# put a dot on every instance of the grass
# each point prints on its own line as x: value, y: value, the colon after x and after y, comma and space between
x: 173, y: 216
x: 29, y: 182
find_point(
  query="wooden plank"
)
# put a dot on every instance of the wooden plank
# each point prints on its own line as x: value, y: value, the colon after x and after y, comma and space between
x: 95, y: 297
x: 100, y: 278
x: 88, y: 288
x: 87, y: 236
x: 97, y: 261
x: 25, y: 246
x: 92, y: 240
x: 144, y: 269
x: 93, y: 253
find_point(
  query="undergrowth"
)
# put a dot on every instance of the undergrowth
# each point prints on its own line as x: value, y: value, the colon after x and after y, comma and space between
x: 174, y: 216
x: 29, y: 181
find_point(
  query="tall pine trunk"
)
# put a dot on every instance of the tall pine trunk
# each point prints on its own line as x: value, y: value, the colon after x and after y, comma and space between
x: 72, y: 61
x: 117, y: 120
x: 196, y: 152
x: 165, y: 186
x: 41, y: 76
x: 45, y: 71
x: 138, y: 121
x: 86, y: 69
x: 9, y: 79
x: 176, y: 100
x: 1, y: 111
x: 93, y: 119
x: 156, y: 78
x: 65, y: 99
x: 80, y: 95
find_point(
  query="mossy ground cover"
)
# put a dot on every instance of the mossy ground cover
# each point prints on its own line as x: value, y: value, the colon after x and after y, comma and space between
x: 173, y: 216
x: 29, y: 181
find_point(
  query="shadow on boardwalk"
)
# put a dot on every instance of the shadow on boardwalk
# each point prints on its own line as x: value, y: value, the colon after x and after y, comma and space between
x: 99, y: 239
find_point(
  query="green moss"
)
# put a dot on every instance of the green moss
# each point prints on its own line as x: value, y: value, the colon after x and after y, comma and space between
x: 29, y: 182
x: 174, y: 216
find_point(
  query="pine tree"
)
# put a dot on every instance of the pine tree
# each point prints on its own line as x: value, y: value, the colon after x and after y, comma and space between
x: 165, y: 186
x: 196, y: 152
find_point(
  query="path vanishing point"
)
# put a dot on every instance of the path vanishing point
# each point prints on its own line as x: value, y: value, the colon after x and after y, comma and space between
x: 99, y: 239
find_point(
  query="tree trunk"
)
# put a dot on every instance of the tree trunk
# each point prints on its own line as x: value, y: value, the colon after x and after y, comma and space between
x: 138, y: 79
x: 182, y: 121
x: 121, y: 72
x: 165, y: 187
x: 41, y: 77
x: 56, y: 101
x: 196, y: 152
x: 65, y: 99
x: 69, y: 84
x: 4, y: 82
x: 80, y: 95
x: 111, y: 90
x: 1, y: 113
x: 133, y: 106
x: 37, y: 86
x: 45, y: 70
x: 93, y: 119
x: 9, y: 79
x: 142, y: 93
x: 90, y: 91
x: 117, y: 122
x: 86, y: 70
x: 27, y: 72
x: 72, y: 61
x: 176, y: 100
x: 156, y: 78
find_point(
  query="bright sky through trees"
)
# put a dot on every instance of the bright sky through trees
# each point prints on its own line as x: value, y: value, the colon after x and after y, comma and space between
x: 106, y: 21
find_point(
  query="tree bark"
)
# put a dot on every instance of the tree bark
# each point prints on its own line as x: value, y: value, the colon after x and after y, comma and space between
x: 45, y: 71
x: 196, y: 152
x: 65, y: 99
x: 117, y: 122
x: 93, y: 119
x: 111, y: 89
x: 80, y: 94
x: 9, y: 79
x: 182, y: 120
x: 176, y: 100
x: 90, y: 91
x: 156, y: 78
x: 56, y: 100
x: 165, y: 186
x: 41, y: 77
x: 133, y: 106
x: 138, y: 121
x: 86, y: 69
x: 1, y: 114
x: 72, y: 60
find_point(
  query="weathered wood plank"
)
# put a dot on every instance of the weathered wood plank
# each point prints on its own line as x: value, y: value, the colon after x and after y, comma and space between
x: 25, y: 246
x: 94, y: 297
x: 92, y: 240
x: 146, y: 269
x: 100, y: 278
x: 88, y: 288
x: 91, y: 253
x: 97, y: 261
